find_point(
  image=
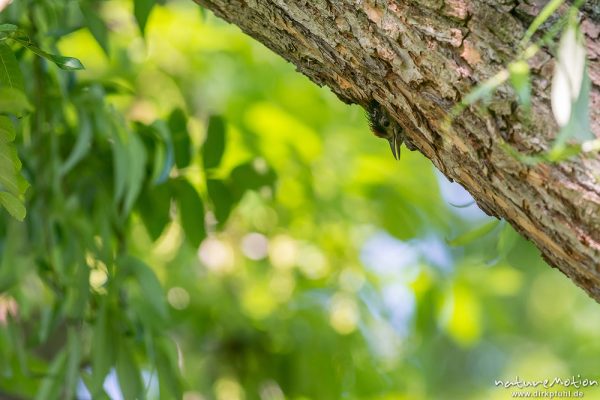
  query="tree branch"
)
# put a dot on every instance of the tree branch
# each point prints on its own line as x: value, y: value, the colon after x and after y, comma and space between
x: 418, y: 59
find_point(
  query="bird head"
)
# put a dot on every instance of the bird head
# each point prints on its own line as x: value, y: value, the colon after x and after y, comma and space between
x: 384, y: 127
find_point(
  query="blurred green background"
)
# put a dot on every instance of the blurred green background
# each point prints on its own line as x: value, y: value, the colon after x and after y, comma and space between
x: 305, y: 263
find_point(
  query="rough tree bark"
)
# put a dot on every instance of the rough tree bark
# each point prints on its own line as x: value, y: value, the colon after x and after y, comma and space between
x: 418, y: 59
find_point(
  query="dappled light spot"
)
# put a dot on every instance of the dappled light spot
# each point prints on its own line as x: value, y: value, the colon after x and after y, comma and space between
x: 461, y: 316
x: 98, y: 273
x: 312, y: 262
x: 270, y: 390
x: 8, y: 309
x: 192, y: 395
x: 228, y: 389
x: 351, y: 279
x: 178, y: 298
x: 383, y: 340
x: 546, y: 303
x: 217, y: 256
x: 255, y: 246
x: 257, y: 301
x: 167, y: 245
x: 343, y: 313
x: 282, y: 285
x: 504, y: 280
x: 283, y: 252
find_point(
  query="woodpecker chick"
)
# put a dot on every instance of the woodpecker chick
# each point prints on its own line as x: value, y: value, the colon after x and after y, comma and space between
x: 384, y: 127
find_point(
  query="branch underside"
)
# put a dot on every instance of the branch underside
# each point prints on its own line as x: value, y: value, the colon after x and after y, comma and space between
x: 418, y: 59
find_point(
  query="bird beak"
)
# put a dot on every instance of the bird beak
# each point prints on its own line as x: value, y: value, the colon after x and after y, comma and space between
x: 395, y: 146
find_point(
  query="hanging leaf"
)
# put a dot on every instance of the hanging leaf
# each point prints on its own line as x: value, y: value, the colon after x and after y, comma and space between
x: 10, y: 165
x: 96, y: 25
x: 191, y: 211
x: 52, y: 383
x: 8, y: 28
x: 520, y: 81
x: 141, y: 10
x: 222, y: 199
x: 13, y: 205
x: 66, y: 63
x: 103, y: 350
x: 506, y: 240
x: 169, y: 381
x: 252, y: 175
x: 164, y: 157
x: 82, y: 145
x: 7, y: 130
x: 149, y: 284
x: 128, y: 372
x: 568, y: 76
x: 129, y: 160
x: 542, y: 17
x: 13, y: 101
x: 154, y: 206
x: 72, y: 364
x: 214, y: 145
x: 10, y: 73
x: 472, y: 235
x: 181, y: 138
x: 578, y: 126
x: 136, y: 155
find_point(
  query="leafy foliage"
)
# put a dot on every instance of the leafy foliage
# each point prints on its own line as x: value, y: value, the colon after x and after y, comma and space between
x: 202, y: 220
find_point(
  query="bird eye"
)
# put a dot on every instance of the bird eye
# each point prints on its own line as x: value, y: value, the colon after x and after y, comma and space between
x: 386, y: 123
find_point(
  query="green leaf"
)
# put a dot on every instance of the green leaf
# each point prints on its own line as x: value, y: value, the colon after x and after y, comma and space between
x: 66, y: 63
x: 578, y: 127
x: 154, y: 206
x: 149, y: 284
x: 13, y: 205
x: 78, y: 292
x: 163, y: 154
x: 120, y: 166
x: 569, y: 73
x: 191, y: 211
x: 7, y: 130
x: 82, y: 145
x: 141, y: 10
x: 8, y: 28
x: 129, y: 160
x: 472, y: 235
x: 546, y: 12
x: 222, y: 199
x: 13, y: 101
x: 10, y: 165
x: 10, y: 73
x: 95, y: 24
x: 506, y: 240
x: 52, y: 383
x: 484, y: 90
x: 214, y: 145
x: 169, y: 380
x: 252, y: 175
x: 128, y: 372
x: 181, y: 138
x: 103, y: 350
x: 73, y: 359
x: 520, y: 80
x: 99, y: 395
x: 136, y: 155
